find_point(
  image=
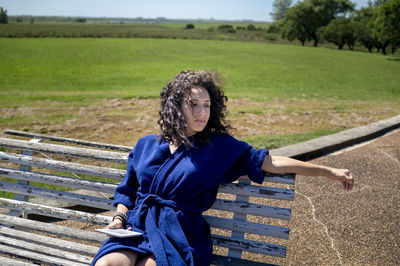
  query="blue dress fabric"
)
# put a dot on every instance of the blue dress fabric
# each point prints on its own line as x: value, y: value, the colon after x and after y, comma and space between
x: 166, y: 195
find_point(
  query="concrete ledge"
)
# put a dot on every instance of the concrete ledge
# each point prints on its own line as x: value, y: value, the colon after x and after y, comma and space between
x: 312, y: 149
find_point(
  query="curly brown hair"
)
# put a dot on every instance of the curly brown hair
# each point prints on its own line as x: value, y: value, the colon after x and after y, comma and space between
x: 172, y: 122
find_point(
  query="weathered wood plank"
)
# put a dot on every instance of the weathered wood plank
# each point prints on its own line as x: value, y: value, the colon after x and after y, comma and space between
x: 56, y: 212
x: 60, y: 195
x: 58, y: 180
x: 253, y: 209
x: 63, y: 166
x: 248, y: 227
x: 36, y: 256
x: 23, y: 167
x: 249, y: 245
x: 52, y: 228
x: 280, y: 178
x: 4, y: 261
x: 65, y: 150
x: 50, y: 241
x: 70, y: 140
x: 257, y: 191
x: 39, y: 248
x: 239, y: 216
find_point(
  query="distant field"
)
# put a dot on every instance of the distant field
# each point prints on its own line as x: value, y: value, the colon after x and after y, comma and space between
x: 203, y: 31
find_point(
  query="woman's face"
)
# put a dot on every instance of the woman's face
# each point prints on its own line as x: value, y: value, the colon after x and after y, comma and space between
x: 196, y: 109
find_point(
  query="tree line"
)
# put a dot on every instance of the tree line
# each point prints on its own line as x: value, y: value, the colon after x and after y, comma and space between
x: 3, y: 16
x: 337, y: 21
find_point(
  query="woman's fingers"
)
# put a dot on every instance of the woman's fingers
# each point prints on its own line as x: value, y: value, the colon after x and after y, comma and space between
x: 116, y: 224
x: 345, y: 177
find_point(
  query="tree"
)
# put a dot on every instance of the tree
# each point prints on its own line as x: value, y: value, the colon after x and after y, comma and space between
x: 363, y: 23
x: 3, y: 16
x: 280, y: 9
x: 292, y: 31
x: 376, y: 3
x: 386, y: 25
x: 389, y: 17
x: 310, y: 15
x: 340, y: 31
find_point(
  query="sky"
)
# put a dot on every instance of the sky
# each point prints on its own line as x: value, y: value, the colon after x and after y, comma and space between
x: 257, y: 10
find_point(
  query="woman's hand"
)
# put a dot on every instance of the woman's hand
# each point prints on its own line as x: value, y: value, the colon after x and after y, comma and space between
x: 116, y: 224
x: 344, y: 176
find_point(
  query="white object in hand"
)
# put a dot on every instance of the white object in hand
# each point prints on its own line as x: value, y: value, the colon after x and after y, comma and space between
x: 119, y: 232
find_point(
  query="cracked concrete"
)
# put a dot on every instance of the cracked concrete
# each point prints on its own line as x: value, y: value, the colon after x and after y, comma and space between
x: 324, y: 226
x: 330, y: 226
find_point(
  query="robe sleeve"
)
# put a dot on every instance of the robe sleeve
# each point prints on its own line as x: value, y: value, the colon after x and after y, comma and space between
x: 126, y: 190
x: 248, y: 162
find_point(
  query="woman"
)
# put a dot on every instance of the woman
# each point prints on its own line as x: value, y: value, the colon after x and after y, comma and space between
x: 173, y: 177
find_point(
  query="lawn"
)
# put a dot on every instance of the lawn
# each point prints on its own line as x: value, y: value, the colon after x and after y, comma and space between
x: 75, y: 69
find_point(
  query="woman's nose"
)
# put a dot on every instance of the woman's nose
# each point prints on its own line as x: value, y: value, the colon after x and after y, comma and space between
x: 201, y: 110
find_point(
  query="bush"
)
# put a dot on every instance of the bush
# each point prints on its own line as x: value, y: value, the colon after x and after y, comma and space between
x: 274, y: 28
x: 251, y: 27
x: 189, y: 26
x: 226, y: 28
x: 80, y: 20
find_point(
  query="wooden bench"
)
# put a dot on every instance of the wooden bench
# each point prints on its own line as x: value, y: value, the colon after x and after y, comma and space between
x: 29, y: 233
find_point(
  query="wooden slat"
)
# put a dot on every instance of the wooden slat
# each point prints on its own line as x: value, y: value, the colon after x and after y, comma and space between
x: 63, y: 166
x: 249, y: 245
x: 257, y: 191
x: 253, y: 209
x: 280, y: 178
x: 50, y: 241
x: 60, y: 195
x: 36, y: 256
x: 58, y: 180
x: 69, y: 140
x: 65, y: 150
x: 239, y: 216
x: 52, y: 228
x: 42, y: 249
x: 248, y: 227
x: 55, y: 212
x: 4, y: 261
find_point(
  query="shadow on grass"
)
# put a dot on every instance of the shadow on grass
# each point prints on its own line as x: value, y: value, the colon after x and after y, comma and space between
x: 397, y: 58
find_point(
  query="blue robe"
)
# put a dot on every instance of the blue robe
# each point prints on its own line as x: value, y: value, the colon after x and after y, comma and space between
x: 167, y: 193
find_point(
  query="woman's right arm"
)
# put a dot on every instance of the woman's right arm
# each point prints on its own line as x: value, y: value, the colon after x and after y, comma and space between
x: 117, y: 223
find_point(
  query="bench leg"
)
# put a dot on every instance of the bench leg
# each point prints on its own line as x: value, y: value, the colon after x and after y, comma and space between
x: 26, y: 168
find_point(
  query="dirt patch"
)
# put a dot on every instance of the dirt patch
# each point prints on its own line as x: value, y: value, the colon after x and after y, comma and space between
x: 124, y: 121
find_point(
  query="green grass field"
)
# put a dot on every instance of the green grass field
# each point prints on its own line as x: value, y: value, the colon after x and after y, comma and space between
x: 78, y: 69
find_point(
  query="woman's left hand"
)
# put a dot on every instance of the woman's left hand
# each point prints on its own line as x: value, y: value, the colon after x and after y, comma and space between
x: 344, y: 176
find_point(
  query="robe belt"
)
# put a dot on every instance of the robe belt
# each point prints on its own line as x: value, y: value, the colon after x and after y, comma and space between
x: 163, y: 228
